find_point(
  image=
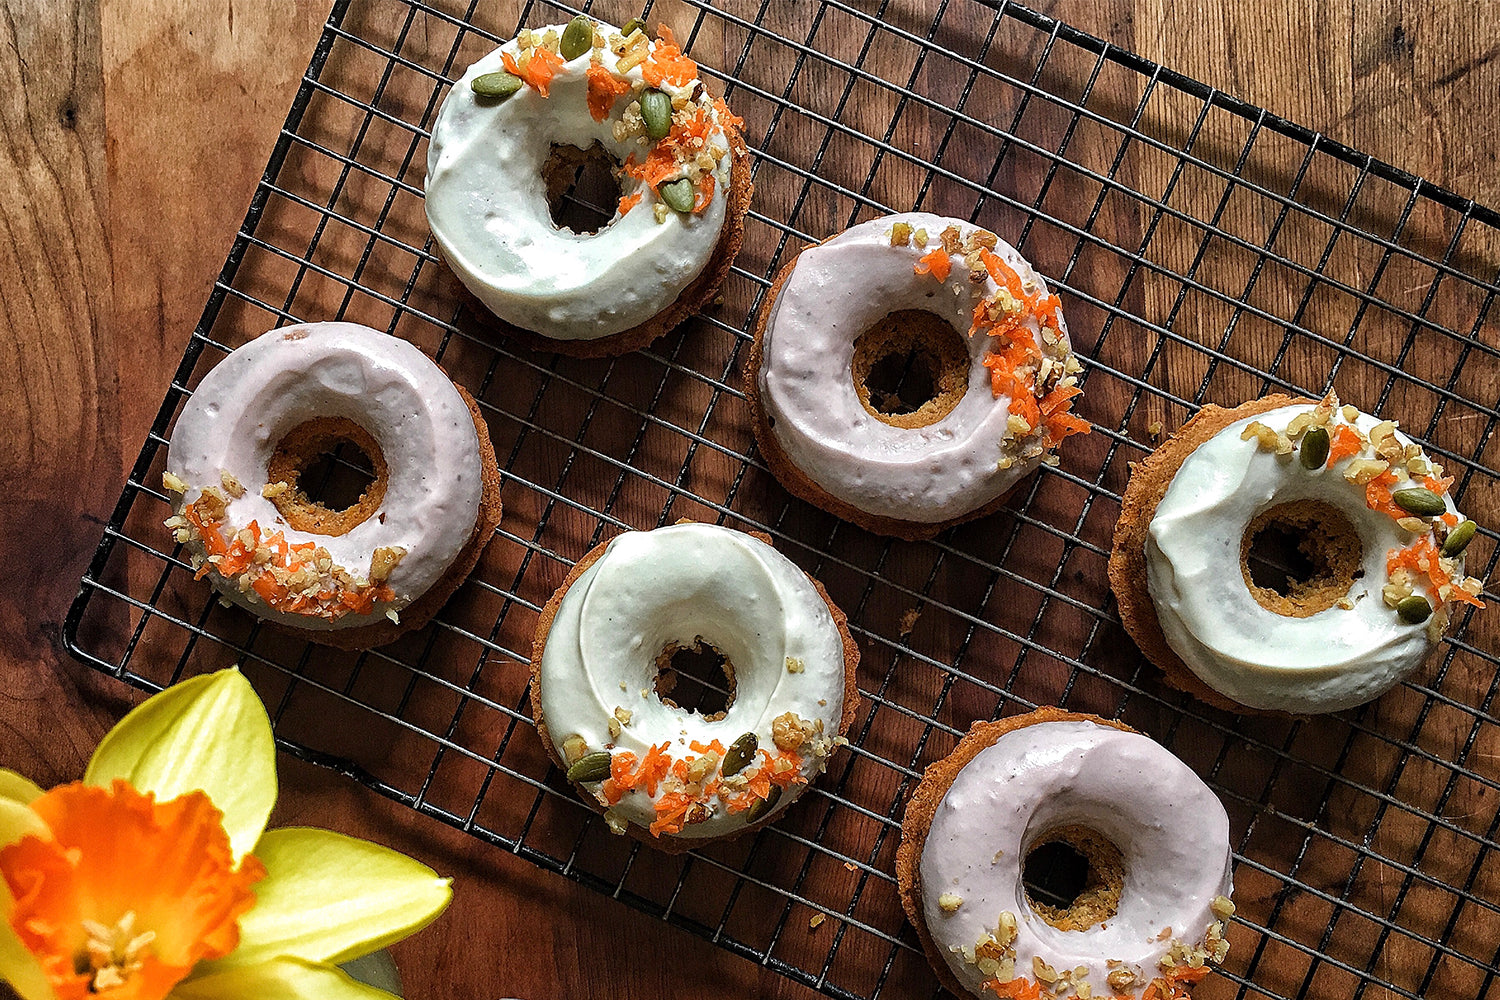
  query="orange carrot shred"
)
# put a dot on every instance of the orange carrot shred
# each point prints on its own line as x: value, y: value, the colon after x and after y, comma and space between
x: 1345, y: 444
x: 604, y: 89
x: 935, y: 262
x: 629, y: 202
x: 667, y: 64
x: 540, y: 69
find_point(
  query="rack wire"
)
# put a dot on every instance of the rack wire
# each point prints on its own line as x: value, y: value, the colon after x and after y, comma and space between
x: 1206, y: 251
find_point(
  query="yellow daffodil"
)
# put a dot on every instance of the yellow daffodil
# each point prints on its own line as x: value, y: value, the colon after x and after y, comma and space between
x: 155, y: 876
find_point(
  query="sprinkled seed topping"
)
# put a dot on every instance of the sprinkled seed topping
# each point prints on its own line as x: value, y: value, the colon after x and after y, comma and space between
x: 1420, y: 500
x: 498, y: 85
x: 1413, y: 610
x: 1314, y: 448
x: 1459, y: 538
x: 590, y: 767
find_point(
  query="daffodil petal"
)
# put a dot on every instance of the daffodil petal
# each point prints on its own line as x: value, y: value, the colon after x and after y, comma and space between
x: 17, y: 966
x: 18, y: 787
x: 278, y: 979
x: 331, y: 898
x: 210, y: 733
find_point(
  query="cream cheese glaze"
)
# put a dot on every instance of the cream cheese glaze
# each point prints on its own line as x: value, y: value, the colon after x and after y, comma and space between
x: 247, y: 404
x: 834, y: 293
x: 1170, y: 828
x: 1334, y: 659
x: 652, y: 589
x: 487, y: 203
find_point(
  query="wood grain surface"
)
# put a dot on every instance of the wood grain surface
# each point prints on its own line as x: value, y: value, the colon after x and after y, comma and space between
x: 133, y: 134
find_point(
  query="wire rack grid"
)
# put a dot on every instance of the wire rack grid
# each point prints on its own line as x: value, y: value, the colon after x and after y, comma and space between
x: 1206, y: 251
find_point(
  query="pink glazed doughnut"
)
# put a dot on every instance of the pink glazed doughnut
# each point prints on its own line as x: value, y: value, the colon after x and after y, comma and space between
x: 1147, y: 920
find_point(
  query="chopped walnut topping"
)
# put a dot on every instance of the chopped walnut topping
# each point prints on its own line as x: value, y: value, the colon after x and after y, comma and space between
x: 615, y: 822
x: 232, y: 486
x: 1007, y: 929
x: 1413, y: 524
x: 383, y: 560
x: 794, y: 665
x: 900, y: 234
x: 172, y: 484
x: 949, y: 902
x: 952, y: 240
x: 1362, y: 470
x: 703, y: 766
x: 614, y: 729
x: 1043, y: 972
x: 573, y: 748
x: 920, y: 239
x: 1267, y: 439
x: 816, y: 921
x: 1121, y: 980
x: 211, y: 503
x: 789, y: 731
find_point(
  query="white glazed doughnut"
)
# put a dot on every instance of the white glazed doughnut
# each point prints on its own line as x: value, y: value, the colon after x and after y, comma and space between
x: 661, y: 768
x: 1346, y: 654
x: 242, y: 412
x: 1020, y: 374
x: 487, y: 201
x: 1171, y: 832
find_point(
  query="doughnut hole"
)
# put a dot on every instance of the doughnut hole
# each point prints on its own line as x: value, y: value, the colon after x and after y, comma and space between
x: 910, y: 369
x: 335, y: 473
x: 1073, y: 877
x: 1300, y: 558
x: 583, y: 187
x: 696, y: 678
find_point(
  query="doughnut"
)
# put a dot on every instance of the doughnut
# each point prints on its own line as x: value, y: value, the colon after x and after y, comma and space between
x: 957, y: 308
x: 356, y: 577
x: 544, y: 102
x: 1146, y: 917
x: 601, y: 682
x: 1374, y: 543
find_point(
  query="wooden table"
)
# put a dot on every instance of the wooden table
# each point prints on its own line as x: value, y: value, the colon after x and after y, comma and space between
x: 134, y: 134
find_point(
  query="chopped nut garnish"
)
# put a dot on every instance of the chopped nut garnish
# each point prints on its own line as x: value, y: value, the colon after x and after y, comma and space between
x: 1413, y: 524
x: 949, y: 902
x: 794, y: 665
x: 273, y: 490
x: 172, y: 484
x: 573, y: 748
x: 614, y: 729
x: 1043, y: 972
x: 623, y: 715
x: 615, y: 822
x: 815, y: 922
x: 232, y: 486
x: 1121, y: 980
x: 383, y: 560
x: 1362, y: 470
x: 789, y: 731
x: 1008, y: 928
x: 900, y: 234
x: 920, y: 239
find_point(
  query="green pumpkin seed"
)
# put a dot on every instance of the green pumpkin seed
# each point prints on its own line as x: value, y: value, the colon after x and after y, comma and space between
x: 740, y: 753
x: 592, y: 767
x: 1314, y: 450
x: 656, y: 109
x: 1422, y: 502
x: 1414, y: 610
x: 1459, y: 538
x: 578, y: 38
x: 632, y: 26
x: 501, y: 84
x: 678, y: 195
x: 763, y: 806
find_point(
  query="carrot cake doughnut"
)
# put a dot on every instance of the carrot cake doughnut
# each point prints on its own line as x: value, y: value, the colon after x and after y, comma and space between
x: 672, y: 777
x: 847, y: 317
x: 1128, y: 850
x: 553, y: 97
x: 355, y: 577
x: 1372, y: 543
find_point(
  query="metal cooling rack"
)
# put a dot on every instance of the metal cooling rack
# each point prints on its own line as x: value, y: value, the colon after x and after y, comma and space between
x: 1206, y: 252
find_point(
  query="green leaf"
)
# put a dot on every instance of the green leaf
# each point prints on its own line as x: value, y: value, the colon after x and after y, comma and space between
x: 210, y: 733
x: 18, y: 787
x: 331, y: 898
x: 278, y: 979
x: 17, y: 966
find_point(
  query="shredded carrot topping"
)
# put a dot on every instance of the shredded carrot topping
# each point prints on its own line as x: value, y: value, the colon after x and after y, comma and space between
x: 604, y: 89
x: 666, y: 63
x: 539, y: 70
x: 1015, y: 989
x: 234, y: 559
x: 935, y: 262
x: 1438, y: 486
x: 629, y: 202
x: 1163, y: 989
x: 1378, y: 495
x: 1422, y: 558
x: 1345, y: 444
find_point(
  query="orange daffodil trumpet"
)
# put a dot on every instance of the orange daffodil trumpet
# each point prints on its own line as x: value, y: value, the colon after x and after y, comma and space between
x: 155, y: 876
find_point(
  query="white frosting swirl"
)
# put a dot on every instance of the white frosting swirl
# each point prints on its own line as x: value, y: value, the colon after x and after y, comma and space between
x: 1334, y: 659
x: 487, y: 206
x: 652, y: 589
x: 248, y: 403
x: 1170, y: 828
x: 835, y: 292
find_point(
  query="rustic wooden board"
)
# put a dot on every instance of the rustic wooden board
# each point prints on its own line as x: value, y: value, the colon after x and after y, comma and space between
x: 134, y: 134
